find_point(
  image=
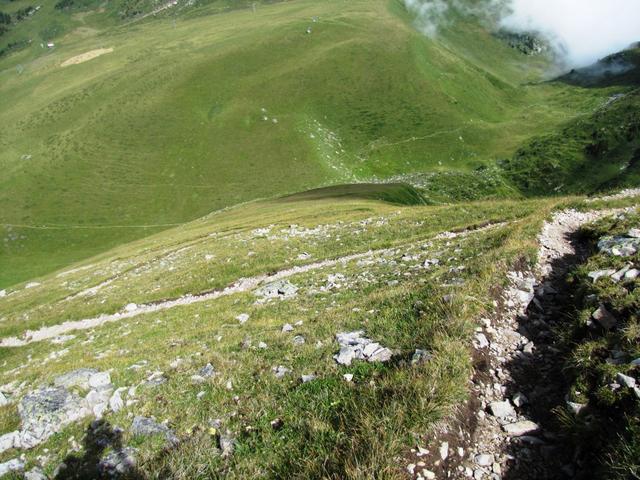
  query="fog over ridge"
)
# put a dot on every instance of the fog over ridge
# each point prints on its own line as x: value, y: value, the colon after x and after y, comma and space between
x: 579, y: 31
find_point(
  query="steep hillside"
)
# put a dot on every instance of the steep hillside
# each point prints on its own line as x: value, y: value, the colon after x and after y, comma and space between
x: 317, y: 337
x: 182, y: 115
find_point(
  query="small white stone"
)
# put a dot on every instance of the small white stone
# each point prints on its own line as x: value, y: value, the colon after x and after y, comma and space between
x: 444, y: 450
x: 484, y: 459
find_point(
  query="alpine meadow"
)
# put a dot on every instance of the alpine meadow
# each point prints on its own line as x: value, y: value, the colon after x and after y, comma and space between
x: 332, y: 239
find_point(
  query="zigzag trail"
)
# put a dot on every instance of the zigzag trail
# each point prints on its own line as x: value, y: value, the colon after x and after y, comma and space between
x: 240, y: 286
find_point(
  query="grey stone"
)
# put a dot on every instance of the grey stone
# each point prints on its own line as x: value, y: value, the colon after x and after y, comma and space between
x: 308, y: 378
x: 347, y: 354
x: 76, y: 378
x: 604, y: 317
x: 420, y: 356
x: 156, y: 379
x: 519, y: 399
x: 598, y: 274
x: 521, y: 428
x: 382, y: 354
x: 632, y: 274
x: 46, y: 411
x: 634, y: 233
x: 282, y: 289
x: 144, y: 426
x: 616, y: 277
x: 98, y: 401
x: 502, y: 409
x: 619, y: 246
x: 118, y: 463
x: 576, y: 408
x: 13, y: 465
x: 115, y: 402
x: 287, y: 327
x: 626, y: 380
x: 3, y: 400
x: 481, y: 341
x: 227, y: 444
x: 484, y: 459
x: 35, y: 474
x: 353, y: 345
x: 298, y: 340
x: 280, y: 371
x: 207, y: 371
x: 100, y: 380
x: 9, y: 440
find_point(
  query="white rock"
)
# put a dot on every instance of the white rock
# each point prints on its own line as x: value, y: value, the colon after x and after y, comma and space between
x: 428, y: 474
x: 287, y: 327
x: 604, y: 317
x: 3, y: 400
x: 115, y: 402
x: 520, y: 428
x: 9, y: 440
x: 99, y: 380
x: 242, y: 318
x: 444, y: 450
x: 131, y: 307
x: 3, y: 293
x: 32, y: 285
x: 381, y: 355
x: 519, y: 399
x: 13, y: 465
x: 484, y: 459
x: 308, y: 378
x: 481, y: 341
x: 502, y: 409
x: 632, y: 274
x: 348, y: 377
x: 626, y: 380
x: 598, y: 274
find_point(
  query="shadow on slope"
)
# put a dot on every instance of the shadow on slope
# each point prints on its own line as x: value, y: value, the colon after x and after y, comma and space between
x: 396, y: 193
x: 619, y: 69
x: 99, y: 437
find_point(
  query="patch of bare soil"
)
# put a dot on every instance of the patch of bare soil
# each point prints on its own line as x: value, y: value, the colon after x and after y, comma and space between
x: 85, y: 57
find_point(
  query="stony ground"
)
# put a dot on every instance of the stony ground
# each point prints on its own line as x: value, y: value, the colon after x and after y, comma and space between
x: 508, y: 428
x: 109, y: 371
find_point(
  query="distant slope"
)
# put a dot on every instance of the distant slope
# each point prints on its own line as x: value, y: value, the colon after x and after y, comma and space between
x: 198, y: 112
x: 593, y: 153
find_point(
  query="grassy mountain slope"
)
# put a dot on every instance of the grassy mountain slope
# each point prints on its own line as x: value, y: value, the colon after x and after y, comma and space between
x: 179, y: 119
x: 328, y: 427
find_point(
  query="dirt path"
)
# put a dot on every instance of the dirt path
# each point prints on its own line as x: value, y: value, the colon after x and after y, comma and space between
x: 240, y: 286
x: 505, y: 430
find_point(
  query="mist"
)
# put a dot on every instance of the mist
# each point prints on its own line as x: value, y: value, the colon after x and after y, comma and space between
x: 579, y: 31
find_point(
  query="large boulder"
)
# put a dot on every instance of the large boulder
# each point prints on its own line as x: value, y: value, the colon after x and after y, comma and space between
x: 46, y: 411
x: 77, y: 378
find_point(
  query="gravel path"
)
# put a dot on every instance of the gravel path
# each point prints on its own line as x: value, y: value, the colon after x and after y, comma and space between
x: 240, y: 286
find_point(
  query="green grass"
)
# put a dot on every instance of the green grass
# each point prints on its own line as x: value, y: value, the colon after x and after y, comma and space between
x: 331, y: 428
x: 609, y: 425
x: 170, y: 125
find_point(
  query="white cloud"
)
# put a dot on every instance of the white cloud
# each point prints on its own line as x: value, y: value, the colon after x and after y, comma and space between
x: 580, y: 31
